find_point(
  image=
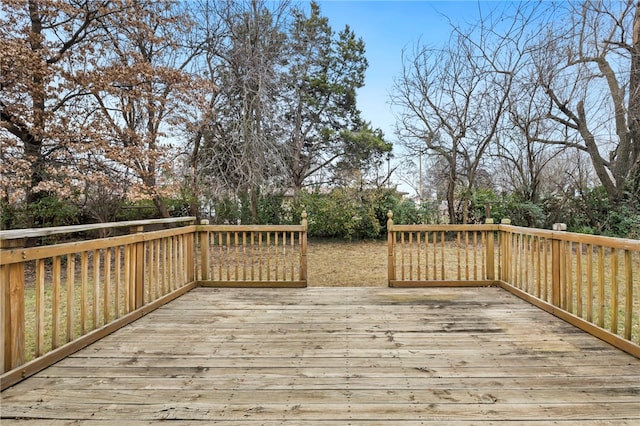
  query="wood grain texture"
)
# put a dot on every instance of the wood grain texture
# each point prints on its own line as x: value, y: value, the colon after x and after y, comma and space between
x: 338, y: 356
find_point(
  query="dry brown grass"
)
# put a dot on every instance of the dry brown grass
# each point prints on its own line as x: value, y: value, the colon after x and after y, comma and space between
x: 334, y: 263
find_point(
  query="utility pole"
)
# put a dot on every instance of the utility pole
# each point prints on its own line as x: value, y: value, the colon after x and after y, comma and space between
x: 420, y: 177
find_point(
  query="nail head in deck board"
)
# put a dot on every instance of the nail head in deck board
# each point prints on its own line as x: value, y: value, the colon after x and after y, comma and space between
x: 339, y: 355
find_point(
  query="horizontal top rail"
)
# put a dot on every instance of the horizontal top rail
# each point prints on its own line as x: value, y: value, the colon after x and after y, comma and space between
x: 16, y: 255
x: 618, y: 243
x: 442, y: 227
x: 16, y: 234
x: 251, y: 228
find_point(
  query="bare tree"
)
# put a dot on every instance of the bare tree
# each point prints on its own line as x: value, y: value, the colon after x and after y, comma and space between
x: 521, y: 159
x: 453, y: 98
x: 588, y: 67
x: 240, y: 149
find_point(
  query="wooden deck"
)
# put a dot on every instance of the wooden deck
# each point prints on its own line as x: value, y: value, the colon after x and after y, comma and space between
x: 338, y: 356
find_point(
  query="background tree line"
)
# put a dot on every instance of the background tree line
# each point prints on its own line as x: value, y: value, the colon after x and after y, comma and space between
x: 115, y: 109
x: 535, y: 106
x: 109, y: 103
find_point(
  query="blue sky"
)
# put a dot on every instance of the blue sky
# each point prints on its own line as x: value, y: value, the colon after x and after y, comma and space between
x: 387, y: 27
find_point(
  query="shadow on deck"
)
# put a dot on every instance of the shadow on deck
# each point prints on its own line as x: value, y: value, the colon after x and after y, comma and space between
x: 338, y: 356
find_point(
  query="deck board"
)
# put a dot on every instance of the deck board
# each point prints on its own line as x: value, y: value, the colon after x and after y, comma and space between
x: 338, y: 356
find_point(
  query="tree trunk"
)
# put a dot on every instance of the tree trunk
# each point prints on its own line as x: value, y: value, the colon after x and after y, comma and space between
x: 33, y: 141
x: 634, y: 102
x: 451, y: 201
x: 161, y: 206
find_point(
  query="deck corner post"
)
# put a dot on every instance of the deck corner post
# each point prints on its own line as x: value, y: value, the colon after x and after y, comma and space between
x: 391, y: 241
x: 491, y: 268
x: 12, y: 315
x: 137, y: 269
x: 505, y: 258
x: 204, y: 251
x: 303, y: 247
x: 190, y: 256
x: 556, y: 259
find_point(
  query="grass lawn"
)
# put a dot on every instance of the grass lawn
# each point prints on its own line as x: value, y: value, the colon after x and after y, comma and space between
x: 335, y: 263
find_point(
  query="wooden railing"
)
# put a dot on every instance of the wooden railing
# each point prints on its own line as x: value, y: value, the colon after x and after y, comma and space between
x: 590, y: 281
x: 253, y: 256
x: 442, y: 255
x: 57, y: 299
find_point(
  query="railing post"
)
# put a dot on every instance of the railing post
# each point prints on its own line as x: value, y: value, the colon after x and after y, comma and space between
x: 556, y: 265
x: 137, y: 272
x: 204, y: 252
x: 505, y: 257
x: 303, y: 248
x: 190, y: 256
x: 491, y: 266
x: 391, y: 241
x: 12, y: 327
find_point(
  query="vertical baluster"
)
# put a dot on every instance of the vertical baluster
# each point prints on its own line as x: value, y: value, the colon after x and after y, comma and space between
x: 526, y: 249
x: 521, y: 261
x: 425, y: 239
x: 614, y: 291
x: 71, y: 272
x: 545, y: 283
x: 228, y: 256
x: 435, y: 255
x: 40, y: 307
x: 244, y: 256
x: 147, y: 266
x: 236, y: 259
x: 466, y: 255
x: 118, y: 272
x: 601, y: 286
x: 166, y: 267
x: 176, y: 262
x: 459, y: 261
x: 184, y: 264
x: 569, y: 276
x: 268, y: 256
x: 152, y: 285
x: 276, y: 245
x: 426, y: 255
x: 579, y: 300
x: 538, y: 268
x: 219, y: 257
x: 158, y: 268
x: 84, y: 291
x: 293, y: 252
x: 95, y: 293
x: 107, y: 286
x: 400, y: 255
x: 285, y: 255
x: 260, y: 256
x: 442, y: 255
x: 55, y: 304
x: 484, y: 242
x: 589, y: 283
x: 419, y: 254
x: 628, y: 318
x: 410, y: 245
x: 252, y: 251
